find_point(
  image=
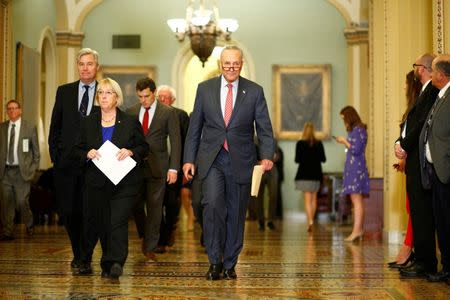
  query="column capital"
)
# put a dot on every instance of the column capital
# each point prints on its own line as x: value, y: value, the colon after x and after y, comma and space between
x: 71, y: 39
x: 357, y: 34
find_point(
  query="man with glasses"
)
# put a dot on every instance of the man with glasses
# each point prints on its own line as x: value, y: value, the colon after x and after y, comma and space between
x: 19, y: 160
x: 407, y: 147
x: 73, y: 102
x: 220, y: 150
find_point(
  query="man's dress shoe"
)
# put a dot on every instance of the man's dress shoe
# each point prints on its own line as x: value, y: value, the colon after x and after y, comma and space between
x: 75, y: 264
x: 105, y: 274
x: 85, y: 269
x: 116, y: 271
x: 160, y: 249
x: 440, y: 276
x: 151, y: 256
x: 214, y: 272
x: 229, y: 274
x: 30, y: 231
x: 7, y: 238
x: 416, y: 270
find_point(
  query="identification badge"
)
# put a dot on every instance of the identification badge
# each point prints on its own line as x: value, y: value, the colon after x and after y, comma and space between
x: 26, y: 145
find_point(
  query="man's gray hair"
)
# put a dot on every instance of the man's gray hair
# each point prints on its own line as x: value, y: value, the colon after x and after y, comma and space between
x: 86, y: 51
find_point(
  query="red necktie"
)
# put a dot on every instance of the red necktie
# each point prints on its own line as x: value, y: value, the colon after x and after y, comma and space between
x: 228, y: 110
x: 145, y: 121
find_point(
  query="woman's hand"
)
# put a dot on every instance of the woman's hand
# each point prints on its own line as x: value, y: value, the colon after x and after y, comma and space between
x: 124, y: 153
x: 93, y: 153
x: 342, y: 140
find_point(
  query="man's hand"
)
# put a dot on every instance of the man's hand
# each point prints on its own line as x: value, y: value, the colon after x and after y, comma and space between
x: 189, y: 171
x: 266, y: 164
x: 171, y: 177
x: 399, y: 152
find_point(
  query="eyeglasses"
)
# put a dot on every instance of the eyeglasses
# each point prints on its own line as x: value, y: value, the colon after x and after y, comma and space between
x: 231, y: 68
x: 418, y: 65
x: 12, y: 108
x: 108, y: 93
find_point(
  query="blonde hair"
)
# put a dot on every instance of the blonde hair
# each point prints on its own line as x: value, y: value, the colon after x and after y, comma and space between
x: 308, y: 133
x: 108, y: 82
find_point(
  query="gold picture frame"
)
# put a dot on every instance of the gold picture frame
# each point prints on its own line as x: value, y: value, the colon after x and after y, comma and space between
x: 301, y: 93
x: 127, y: 76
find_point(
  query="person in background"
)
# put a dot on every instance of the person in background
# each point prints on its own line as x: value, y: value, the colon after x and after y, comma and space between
x: 220, y: 150
x: 107, y: 207
x: 434, y: 145
x: 356, y: 177
x: 310, y: 155
x: 269, y: 180
x: 19, y: 161
x: 159, y: 123
x: 412, y: 91
x: 74, y: 101
x: 172, y: 202
x: 408, y: 147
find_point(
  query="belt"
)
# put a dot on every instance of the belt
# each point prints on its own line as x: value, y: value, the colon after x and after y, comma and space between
x: 11, y: 166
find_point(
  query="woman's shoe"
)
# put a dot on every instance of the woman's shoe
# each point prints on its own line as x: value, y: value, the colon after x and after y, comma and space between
x: 351, y: 238
x: 310, y: 227
x: 395, y: 265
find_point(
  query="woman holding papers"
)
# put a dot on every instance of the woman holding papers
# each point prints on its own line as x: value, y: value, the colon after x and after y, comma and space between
x: 356, y: 177
x: 309, y: 154
x: 107, y: 206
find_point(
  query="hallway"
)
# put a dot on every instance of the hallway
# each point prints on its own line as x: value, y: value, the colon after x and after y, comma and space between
x: 287, y: 263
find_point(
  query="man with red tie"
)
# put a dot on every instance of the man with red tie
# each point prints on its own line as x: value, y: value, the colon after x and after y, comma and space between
x: 159, y: 122
x: 220, y: 150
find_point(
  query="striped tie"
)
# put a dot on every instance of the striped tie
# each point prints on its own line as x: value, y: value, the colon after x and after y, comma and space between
x: 228, y: 110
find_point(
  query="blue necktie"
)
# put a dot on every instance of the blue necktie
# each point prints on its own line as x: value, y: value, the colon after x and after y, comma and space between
x: 84, y: 101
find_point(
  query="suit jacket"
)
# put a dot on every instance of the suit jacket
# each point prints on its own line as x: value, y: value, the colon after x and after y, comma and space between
x: 439, y: 142
x: 414, y: 123
x: 65, y: 125
x: 29, y: 160
x: 207, y: 131
x: 127, y: 134
x: 165, y: 124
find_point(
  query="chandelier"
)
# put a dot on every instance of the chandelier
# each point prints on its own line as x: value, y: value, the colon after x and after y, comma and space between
x: 203, y: 26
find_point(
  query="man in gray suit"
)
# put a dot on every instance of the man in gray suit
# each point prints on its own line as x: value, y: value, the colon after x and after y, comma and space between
x: 19, y: 160
x: 219, y: 148
x: 159, y: 122
x: 435, y: 161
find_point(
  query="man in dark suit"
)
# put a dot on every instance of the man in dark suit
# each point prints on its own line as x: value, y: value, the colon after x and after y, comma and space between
x: 19, y: 160
x: 159, y: 122
x: 407, y: 147
x: 220, y: 150
x: 171, y: 206
x: 73, y: 102
x: 435, y: 161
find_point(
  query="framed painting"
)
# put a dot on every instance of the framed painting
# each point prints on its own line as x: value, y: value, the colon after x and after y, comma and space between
x: 127, y: 76
x: 301, y: 93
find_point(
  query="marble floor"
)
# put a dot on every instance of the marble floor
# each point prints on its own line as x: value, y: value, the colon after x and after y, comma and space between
x: 285, y: 263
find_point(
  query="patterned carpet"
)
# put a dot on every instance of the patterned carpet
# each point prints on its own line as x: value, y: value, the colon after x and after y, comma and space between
x: 287, y: 263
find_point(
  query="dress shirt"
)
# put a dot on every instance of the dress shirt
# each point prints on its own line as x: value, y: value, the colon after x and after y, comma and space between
x: 224, y: 92
x: 427, y: 146
x: 16, y: 140
x: 151, y: 113
x: 91, y: 92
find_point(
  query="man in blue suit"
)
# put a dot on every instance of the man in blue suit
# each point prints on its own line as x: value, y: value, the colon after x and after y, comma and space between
x: 221, y: 151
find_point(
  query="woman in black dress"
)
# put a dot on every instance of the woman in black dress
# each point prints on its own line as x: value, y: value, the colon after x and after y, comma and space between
x: 309, y: 154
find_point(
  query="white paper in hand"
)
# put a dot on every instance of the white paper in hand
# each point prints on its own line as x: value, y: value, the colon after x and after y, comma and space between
x: 258, y: 172
x: 108, y: 163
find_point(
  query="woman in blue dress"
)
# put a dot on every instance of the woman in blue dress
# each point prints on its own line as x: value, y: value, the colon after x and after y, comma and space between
x: 356, y: 177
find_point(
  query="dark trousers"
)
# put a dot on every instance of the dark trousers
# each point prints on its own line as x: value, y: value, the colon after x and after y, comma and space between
x: 224, y: 208
x: 441, y: 209
x: 421, y: 213
x: 171, y: 210
x: 148, y: 211
x: 105, y: 216
x: 68, y: 191
x: 269, y: 180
